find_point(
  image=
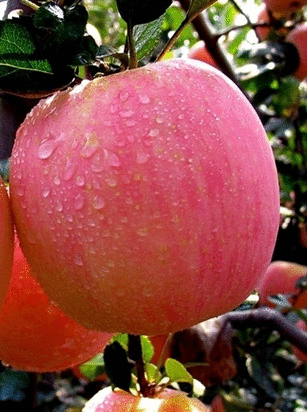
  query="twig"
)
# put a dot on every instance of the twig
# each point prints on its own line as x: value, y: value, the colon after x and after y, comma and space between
x: 269, y: 317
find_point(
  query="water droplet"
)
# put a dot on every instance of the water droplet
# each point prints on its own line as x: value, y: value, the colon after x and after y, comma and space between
x: 159, y: 120
x: 142, y: 157
x: 59, y: 206
x: 111, y: 182
x: 69, y: 169
x: 98, y: 202
x: 46, y: 191
x: 78, y: 260
x: 130, y: 138
x: 90, y: 146
x: 126, y: 113
x: 124, y: 96
x: 144, y: 99
x: 113, y: 159
x: 154, y: 132
x: 130, y: 123
x: 143, y: 231
x: 79, y: 202
x: 57, y: 181
x: 20, y: 191
x: 46, y: 149
x: 80, y: 181
x: 98, y: 163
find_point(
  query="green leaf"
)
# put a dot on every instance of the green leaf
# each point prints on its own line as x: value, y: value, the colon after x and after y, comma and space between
x: 147, y: 349
x: 117, y: 365
x: 197, y: 6
x: 153, y: 375
x: 177, y: 372
x: 22, y: 70
x: 94, y: 367
x: 147, y: 36
x: 141, y: 11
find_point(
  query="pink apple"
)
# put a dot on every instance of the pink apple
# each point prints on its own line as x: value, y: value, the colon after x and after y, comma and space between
x: 281, y: 278
x: 146, y: 201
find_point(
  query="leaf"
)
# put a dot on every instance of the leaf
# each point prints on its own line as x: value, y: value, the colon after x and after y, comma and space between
x: 177, y: 372
x: 22, y: 70
x: 141, y: 11
x: 153, y: 375
x: 147, y: 349
x: 117, y: 365
x: 94, y: 367
x: 197, y: 6
x: 147, y: 36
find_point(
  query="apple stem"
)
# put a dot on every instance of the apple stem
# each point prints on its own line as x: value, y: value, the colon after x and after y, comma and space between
x: 133, y: 57
x: 135, y: 354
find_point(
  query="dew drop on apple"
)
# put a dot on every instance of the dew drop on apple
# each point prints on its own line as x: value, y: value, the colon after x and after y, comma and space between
x: 142, y: 157
x: 69, y: 169
x: 78, y: 260
x: 98, y: 202
x: 46, y: 191
x: 80, y: 181
x: 46, y: 149
x: 59, y: 206
x: 79, y: 202
x: 111, y: 182
x: 57, y: 181
x: 144, y: 99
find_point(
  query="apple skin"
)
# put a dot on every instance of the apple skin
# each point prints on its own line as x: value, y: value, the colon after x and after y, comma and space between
x: 6, y: 242
x: 280, y: 278
x: 298, y: 37
x: 35, y: 335
x: 169, y: 400
x: 144, y: 203
x: 199, y: 52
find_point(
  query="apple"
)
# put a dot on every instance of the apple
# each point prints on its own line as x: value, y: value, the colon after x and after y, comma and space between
x: 35, y: 335
x: 281, y: 278
x: 285, y: 7
x: 298, y: 37
x: 168, y: 400
x: 6, y: 242
x: 199, y: 52
x: 146, y: 201
x: 217, y: 405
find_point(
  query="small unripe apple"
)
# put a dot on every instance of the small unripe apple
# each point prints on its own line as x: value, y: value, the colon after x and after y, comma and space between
x: 281, y: 278
x: 168, y: 400
x: 298, y: 37
x: 35, y: 335
x: 6, y: 242
x: 200, y: 52
x: 146, y: 201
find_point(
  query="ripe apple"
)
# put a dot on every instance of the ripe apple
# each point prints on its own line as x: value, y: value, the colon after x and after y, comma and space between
x: 298, y: 37
x: 199, y: 52
x: 169, y: 400
x: 6, y: 242
x: 35, y: 335
x: 285, y: 7
x: 281, y: 278
x: 146, y: 201
x: 302, y: 356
